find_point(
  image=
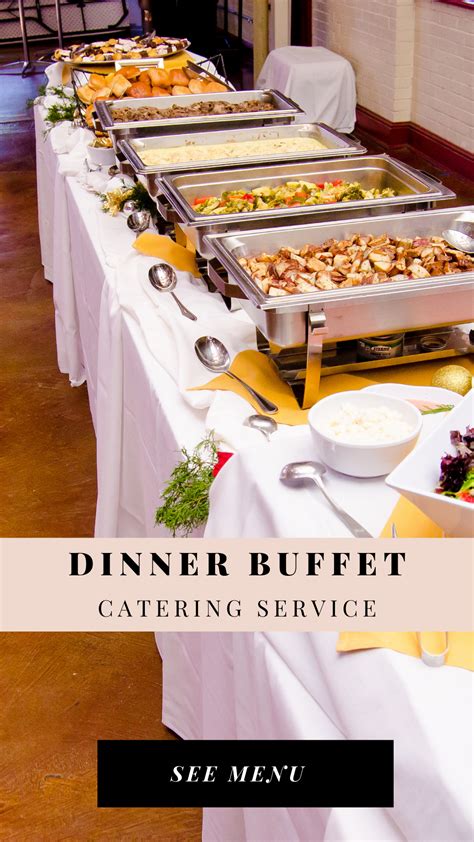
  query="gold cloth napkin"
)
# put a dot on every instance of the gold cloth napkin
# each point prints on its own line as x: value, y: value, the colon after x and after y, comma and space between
x: 261, y: 373
x: 174, y: 62
x: 460, y: 653
x: 410, y: 522
x: 156, y: 245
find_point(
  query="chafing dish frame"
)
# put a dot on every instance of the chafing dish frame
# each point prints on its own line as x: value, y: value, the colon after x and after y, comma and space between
x: 285, y: 111
x: 336, y: 145
x: 177, y: 190
x: 310, y: 319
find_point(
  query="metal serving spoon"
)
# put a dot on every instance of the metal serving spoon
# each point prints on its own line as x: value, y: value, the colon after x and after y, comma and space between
x: 296, y: 473
x: 163, y: 278
x: 263, y: 423
x: 459, y: 240
x: 214, y: 355
x: 139, y: 221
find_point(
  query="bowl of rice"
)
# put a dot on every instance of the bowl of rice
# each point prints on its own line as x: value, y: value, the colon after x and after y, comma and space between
x: 363, y: 434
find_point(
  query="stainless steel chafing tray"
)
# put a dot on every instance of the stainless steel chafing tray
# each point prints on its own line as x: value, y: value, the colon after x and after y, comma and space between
x: 284, y: 110
x: 176, y: 193
x: 335, y: 145
x: 312, y: 319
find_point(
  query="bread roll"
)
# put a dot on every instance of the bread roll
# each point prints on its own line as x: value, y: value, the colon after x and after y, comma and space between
x: 215, y: 88
x: 159, y: 78
x: 144, y: 77
x: 178, y: 77
x: 157, y: 91
x: 85, y: 93
x: 88, y: 115
x: 95, y: 81
x: 179, y: 90
x: 120, y: 85
x: 139, y: 89
x: 130, y: 72
x: 104, y: 93
x: 197, y: 86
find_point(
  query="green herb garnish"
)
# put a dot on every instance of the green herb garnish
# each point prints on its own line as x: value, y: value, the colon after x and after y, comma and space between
x: 60, y: 112
x: 186, y: 497
x: 114, y: 200
x: 43, y: 90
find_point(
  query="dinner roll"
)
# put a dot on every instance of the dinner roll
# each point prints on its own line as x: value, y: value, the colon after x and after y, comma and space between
x: 178, y: 77
x: 130, y: 72
x: 197, y: 86
x: 214, y: 88
x: 157, y: 91
x: 159, y: 78
x: 96, y: 81
x: 104, y: 93
x: 139, y: 89
x: 179, y: 90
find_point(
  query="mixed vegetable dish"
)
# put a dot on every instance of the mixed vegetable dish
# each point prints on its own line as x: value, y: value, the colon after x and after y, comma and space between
x: 457, y: 472
x: 289, y: 195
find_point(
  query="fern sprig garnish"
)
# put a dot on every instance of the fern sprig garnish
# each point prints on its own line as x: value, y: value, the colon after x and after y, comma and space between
x: 186, y: 497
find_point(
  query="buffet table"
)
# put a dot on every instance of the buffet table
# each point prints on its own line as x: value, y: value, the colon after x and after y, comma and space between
x: 295, y: 686
x: 132, y: 347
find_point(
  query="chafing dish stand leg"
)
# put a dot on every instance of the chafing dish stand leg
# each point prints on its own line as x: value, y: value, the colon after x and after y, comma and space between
x: 317, y: 330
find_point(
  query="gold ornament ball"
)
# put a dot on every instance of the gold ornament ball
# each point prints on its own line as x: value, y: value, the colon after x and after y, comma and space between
x: 453, y: 377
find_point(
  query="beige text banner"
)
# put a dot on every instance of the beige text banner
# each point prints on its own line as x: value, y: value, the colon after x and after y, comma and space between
x: 190, y: 584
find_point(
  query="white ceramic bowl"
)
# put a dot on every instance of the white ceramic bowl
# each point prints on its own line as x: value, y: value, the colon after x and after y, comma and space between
x: 101, y: 156
x: 362, y: 460
x: 417, y: 476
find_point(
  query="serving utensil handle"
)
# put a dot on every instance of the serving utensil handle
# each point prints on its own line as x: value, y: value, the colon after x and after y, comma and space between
x: 263, y: 403
x: 353, y: 525
x: 184, y: 309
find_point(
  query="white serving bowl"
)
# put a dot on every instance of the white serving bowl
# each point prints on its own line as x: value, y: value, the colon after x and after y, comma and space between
x: 362, y: 460
x: 417, y: 476
x: 101, y: 156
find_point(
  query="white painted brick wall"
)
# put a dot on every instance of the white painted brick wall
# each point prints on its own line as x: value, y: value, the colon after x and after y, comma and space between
x: 364, y: 32
x: 443, y: 88
x: 413, y: 59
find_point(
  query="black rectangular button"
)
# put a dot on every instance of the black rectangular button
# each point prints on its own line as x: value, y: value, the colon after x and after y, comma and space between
x: 245, y: 773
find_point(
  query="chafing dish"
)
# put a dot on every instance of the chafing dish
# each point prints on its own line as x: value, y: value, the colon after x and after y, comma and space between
x: 310, y: 320
x: 284, y: 111
x: 176, y: 193
x: 335, y: 145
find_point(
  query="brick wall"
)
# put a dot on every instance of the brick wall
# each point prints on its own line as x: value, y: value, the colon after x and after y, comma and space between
x: 413, y: 59
x: 443, y: 89
x: 364, y: 32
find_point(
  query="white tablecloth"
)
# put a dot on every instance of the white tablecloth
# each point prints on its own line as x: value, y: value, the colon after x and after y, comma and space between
x: 295, y: 686
x: 240, y: 685
x: 320, y: 81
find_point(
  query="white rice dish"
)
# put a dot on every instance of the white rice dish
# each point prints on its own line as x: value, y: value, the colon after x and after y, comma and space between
x: 372, y: 425
x: 232, y: 149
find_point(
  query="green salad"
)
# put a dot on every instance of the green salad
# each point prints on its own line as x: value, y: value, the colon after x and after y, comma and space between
x: 289, y: 195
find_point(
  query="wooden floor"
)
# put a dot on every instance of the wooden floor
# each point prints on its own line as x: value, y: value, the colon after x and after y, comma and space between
x: 59, y: 693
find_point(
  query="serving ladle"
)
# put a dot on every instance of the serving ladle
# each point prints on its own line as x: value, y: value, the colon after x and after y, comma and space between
x: 139, y: 221
x: 214, y: 355
x: 459, y: 240
x: 263, y: 423
x: 297, y: 473
x: 163, y: 278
